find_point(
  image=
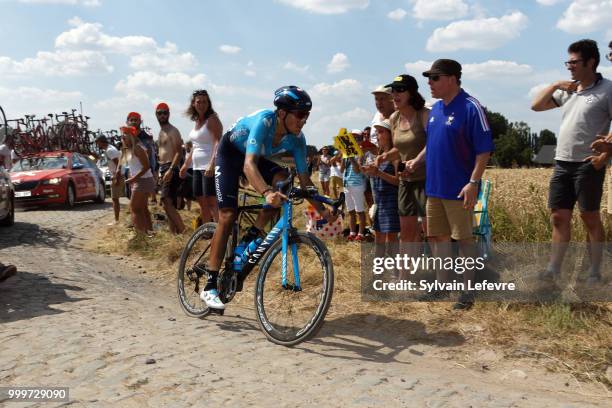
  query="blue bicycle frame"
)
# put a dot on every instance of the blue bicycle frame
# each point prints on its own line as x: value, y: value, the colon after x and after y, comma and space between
x: 282, y: 228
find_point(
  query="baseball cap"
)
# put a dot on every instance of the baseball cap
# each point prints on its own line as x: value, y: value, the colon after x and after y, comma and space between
x: 356, y: 132
x: 162, y: 106
x: 444, y: 67
x: 134, y: 115
x: 385, y: 123
x: 403, y: 81
x: 382, y: 89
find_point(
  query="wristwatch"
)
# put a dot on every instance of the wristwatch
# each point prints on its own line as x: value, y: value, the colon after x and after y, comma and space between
x: 475, y: 182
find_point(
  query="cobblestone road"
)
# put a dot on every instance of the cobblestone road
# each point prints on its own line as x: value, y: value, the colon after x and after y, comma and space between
x: 90, y: 322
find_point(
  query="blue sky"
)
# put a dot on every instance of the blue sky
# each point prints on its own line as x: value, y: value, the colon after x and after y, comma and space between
x: 121, y: 56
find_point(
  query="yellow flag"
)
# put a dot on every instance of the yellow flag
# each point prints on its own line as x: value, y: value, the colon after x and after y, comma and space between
x: 346, y: 143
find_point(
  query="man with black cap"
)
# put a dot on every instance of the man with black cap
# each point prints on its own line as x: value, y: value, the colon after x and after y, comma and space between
x: 459, y: 144
x: 118, y: 181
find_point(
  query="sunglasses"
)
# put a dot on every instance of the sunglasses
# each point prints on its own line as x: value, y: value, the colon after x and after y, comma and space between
x: 399, y: 89
x: 301, y: 115
x: 162, y: 112
x: 436, y: 78
x: 571, y: 63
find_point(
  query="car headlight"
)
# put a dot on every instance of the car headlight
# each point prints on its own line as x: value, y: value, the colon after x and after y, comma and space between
x: 55, y: 180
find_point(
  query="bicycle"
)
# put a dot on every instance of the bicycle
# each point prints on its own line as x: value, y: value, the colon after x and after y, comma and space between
x: 290, y: 308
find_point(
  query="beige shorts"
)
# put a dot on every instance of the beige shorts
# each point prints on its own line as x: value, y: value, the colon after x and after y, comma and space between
x: 449, y: 218
x: 143, y: 185
x: 610, y: 191
x: 335, y: 182
x: 118, y: 189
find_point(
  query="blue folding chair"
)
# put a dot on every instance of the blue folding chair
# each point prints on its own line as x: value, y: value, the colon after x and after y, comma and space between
x: 482, y: 224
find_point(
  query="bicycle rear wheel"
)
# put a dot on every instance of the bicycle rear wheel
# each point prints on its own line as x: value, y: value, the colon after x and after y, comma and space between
x: 189, y: 284
x: 288, y: 316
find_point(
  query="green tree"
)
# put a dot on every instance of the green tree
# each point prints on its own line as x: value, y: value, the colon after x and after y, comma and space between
x: 498, y: 123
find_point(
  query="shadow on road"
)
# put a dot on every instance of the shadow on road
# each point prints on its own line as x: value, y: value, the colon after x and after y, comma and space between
x: 377, y: 338
x: 28, y: 295
x: 27, y: 234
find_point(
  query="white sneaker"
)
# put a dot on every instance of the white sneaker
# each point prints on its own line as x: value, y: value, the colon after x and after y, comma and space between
x: 211, y: 297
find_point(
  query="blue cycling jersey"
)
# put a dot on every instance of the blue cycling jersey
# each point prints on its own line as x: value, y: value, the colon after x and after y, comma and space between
x: 254, y: 134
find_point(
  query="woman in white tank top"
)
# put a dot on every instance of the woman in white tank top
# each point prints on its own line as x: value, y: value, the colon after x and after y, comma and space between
x: 205, y: 137
x: 141, y: 179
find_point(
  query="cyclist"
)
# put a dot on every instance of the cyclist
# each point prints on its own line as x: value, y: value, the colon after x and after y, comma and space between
x: 244, y: 150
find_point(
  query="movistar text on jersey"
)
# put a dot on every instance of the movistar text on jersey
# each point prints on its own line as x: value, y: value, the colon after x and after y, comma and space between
x: 412, y: 264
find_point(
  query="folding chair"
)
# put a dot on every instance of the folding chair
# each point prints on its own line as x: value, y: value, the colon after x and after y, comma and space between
x: 482, y: 224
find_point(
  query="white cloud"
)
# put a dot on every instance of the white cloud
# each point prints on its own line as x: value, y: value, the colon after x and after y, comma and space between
x: 488, y: 70
x: 327, y: 6
x: 229, y: 49
x: 294, y: 67
x: 535, y: 90
x: 397, y: 14
x: 338, y: 63
x: 329, y: 125
x: 37, y: 100
x: 345, y: 87
x: 145, y: 80
x: 585, y: 16
x: 439, y: 9
x: 477, y: 34
x: 549, y: 2
x: 86, y: 3
x: 90, y: 36
x: 164, y: 59
x: 58, y: 63
x: 250, y: 73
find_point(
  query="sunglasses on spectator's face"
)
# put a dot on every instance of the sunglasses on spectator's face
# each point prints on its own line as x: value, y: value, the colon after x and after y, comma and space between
x: 436, y: 78
x: 162, y: 112
x: 571, y: 63
x: 301, y: 115
x: 399, y: 89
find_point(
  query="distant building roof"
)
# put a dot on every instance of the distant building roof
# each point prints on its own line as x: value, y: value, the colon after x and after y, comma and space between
x: 546, y: 155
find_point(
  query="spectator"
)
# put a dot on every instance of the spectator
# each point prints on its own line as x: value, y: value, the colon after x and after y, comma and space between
x: 459, y: 144
x: 369, y: 154
x: 205, y: 137
x: 335, y: 175
x: 170, y: 155
x: 141, y: 179
x: 354, y: 188
x: 384, y: 109
x: 134, y: 119
x: 386, y: 180
x: 408, y: 124
x: 324, y: 169
x: 6, y: 158
x: 117, y: 183
x: 586, y: 105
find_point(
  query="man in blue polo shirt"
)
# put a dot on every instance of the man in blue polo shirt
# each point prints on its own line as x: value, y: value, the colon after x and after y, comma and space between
x: 459, y: 144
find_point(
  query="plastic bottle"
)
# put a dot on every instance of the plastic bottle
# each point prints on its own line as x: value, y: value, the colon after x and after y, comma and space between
x: 250, y: 249
x: 240, y: 248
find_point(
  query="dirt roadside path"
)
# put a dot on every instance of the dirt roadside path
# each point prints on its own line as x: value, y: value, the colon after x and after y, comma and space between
x: 90, y: 322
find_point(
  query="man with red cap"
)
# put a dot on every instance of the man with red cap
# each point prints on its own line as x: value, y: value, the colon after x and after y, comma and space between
x: 170, y: 154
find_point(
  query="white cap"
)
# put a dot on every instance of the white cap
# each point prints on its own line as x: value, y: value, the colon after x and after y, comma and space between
x: 356, y: 132
x: 382, y: 89
x: 385, y: 123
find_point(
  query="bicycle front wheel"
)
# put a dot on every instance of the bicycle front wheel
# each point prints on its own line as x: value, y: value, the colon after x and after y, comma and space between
x: 195, y: 255
x: 288, y: 315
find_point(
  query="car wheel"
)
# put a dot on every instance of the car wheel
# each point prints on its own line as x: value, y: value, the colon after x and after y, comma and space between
x: 70, y: 196
x: 101, y: 196
x: 10, y: 217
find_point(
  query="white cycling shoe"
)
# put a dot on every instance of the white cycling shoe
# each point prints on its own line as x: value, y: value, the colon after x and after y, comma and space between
x: 212, y: 300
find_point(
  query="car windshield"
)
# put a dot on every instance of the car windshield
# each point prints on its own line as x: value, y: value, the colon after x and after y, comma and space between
x: 40, y: 163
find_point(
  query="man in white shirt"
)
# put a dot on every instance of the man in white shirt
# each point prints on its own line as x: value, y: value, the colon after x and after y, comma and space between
x: 384, y: 109
x: 118, y: 182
